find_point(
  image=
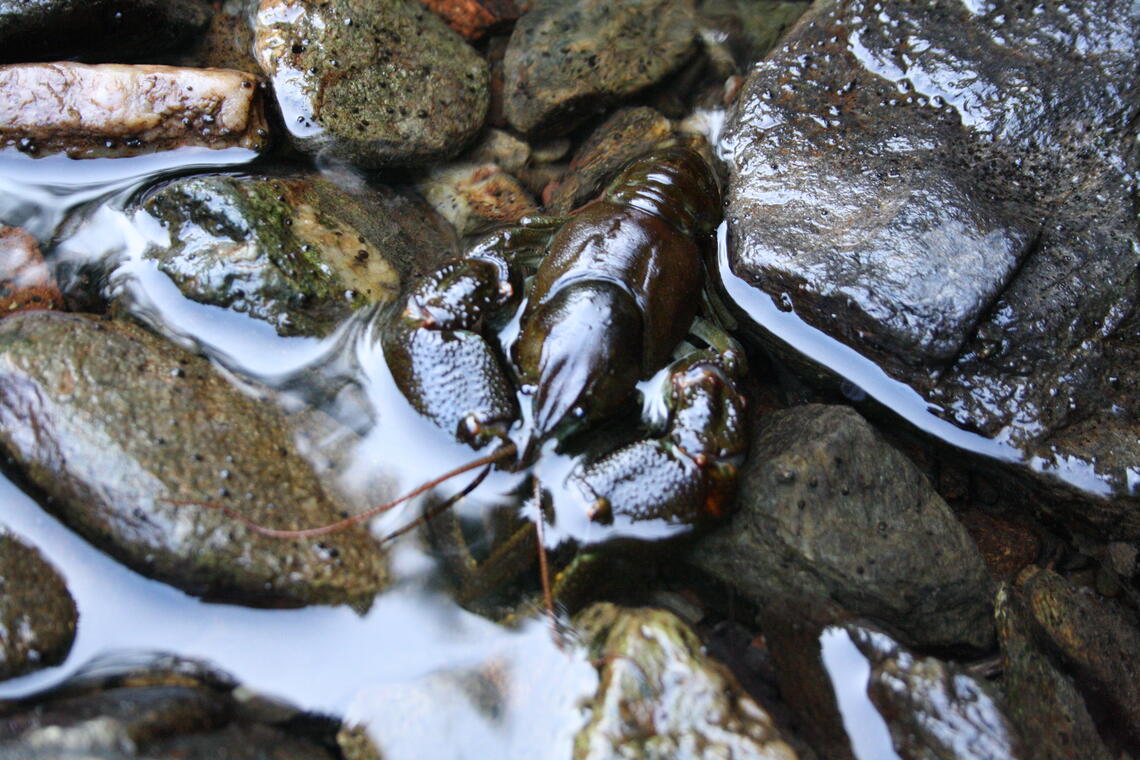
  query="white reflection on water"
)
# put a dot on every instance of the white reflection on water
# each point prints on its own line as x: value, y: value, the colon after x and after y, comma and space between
x: 897, y: 396
x: 850, y: 674
x: 327, y: 659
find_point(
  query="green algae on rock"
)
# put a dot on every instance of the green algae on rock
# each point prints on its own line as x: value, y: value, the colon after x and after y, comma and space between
x: 372, y: 84
x: 127, y: 435
x: 37, y: 614
x: 297, y: 252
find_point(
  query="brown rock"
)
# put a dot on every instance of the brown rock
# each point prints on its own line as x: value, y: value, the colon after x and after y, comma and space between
x: 472, y: 18
x: 1006, y: 546
x: 25, y: 284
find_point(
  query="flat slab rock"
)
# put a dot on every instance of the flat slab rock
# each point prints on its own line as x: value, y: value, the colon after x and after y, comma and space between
x: 114, y: 110
x: 129, y: 434
x: 949, y: 188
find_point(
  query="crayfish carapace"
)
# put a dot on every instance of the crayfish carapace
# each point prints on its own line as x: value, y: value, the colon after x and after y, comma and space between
x: 608, y: 296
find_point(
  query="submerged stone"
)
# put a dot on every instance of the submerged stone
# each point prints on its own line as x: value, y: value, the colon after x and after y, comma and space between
x: 113, y: 110
x: 859, y: 694
x: 25, y: 283
x: 567, y: 61
x: 475, y: 197
x: 1097, y: 641
x: 96, y: 30
x: 628, y: 134
x: 960, y: 210
x: 171, y: 710
x: 372, y: 84
x: 828, y: 509
x: 300, y: 253
x: 136, y: 442
x: 37, y: 614
x: 1043, y: 702
x: 661, y: 697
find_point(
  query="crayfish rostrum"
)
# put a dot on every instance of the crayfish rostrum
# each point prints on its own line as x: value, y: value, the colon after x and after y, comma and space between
x: 607, y: 297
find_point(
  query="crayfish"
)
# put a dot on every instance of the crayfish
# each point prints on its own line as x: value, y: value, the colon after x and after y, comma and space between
x: 607, y: 297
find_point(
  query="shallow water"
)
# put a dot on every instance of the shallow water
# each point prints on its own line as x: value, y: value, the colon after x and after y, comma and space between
x: 324, y: 659
x: 397, y: 669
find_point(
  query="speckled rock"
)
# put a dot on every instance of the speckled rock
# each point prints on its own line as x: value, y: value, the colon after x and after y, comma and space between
x: 372, y: 84
x: 25, y: 283
x: 629, y: 133
x: 829, y: 509
x: 128, y: 434
x: 475, y: 197
x: 569, y: 60
x: 96, y: 30
x: 299, y: 252
x: 37, y: 614
x: 114, y: 110
x: 1042, y: 699
x: 1098, y: 642
x: 961, y: 210
x: 661, y: 697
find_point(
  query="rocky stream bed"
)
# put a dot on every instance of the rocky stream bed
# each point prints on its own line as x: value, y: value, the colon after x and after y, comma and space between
x: 212, y: 214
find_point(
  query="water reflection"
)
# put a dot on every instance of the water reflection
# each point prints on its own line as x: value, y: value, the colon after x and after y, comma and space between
x: 323, y: 659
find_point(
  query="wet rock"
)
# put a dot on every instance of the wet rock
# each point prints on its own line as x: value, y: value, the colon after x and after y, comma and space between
x: 501, y: 148
x: 1042, y: 700
x: 474, y: 18
x: 298, y: 252
x: 227, y: 42
x: 747, y: 30
x: 475, y: 197
x: 934, y: 709
x: 628, y: 134
x: 569, y: 60
x: 1007, y: 546
x: 96, y: 30
x: 830, y: 510
x: 372, y: 84
x: 961, y: 211
x: 127, y: 435
x: 113, y: 110
x: 37, y: 614
x: 859, y: 694
x: 25, y: 283
x: 1098, y: 643
x: 660, y: 696
x: 157, y: 715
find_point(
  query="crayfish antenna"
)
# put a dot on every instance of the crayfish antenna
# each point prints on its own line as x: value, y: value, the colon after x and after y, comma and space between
x: 503, y: 452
